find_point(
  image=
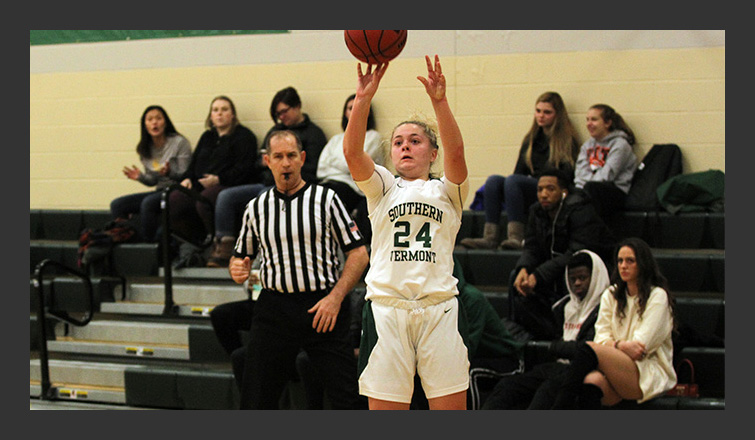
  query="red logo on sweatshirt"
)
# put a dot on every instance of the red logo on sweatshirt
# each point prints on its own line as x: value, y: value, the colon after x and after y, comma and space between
x: 596, y: 156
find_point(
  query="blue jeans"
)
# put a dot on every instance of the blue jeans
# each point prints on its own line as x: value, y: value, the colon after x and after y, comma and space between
x: 517, y: 191
x: 229, y: 208
x: 147, y: 205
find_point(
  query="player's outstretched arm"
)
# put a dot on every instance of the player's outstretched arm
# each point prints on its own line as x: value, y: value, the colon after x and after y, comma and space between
x: 454, y: 163
x: 360, y: 163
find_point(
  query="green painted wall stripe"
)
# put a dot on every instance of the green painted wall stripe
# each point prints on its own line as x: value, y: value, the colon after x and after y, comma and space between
x: 41, y: 37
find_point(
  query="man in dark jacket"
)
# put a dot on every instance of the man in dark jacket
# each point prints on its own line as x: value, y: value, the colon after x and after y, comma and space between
x: 562, y: 222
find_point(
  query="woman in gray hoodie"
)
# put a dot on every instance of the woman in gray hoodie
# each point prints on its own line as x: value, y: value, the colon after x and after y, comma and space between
x: 606, y: 162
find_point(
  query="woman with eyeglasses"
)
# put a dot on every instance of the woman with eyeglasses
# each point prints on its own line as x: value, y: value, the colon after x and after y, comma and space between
x: 285, y: 110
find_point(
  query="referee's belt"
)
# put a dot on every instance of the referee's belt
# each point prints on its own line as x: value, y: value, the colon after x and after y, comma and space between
x: 305, y: 292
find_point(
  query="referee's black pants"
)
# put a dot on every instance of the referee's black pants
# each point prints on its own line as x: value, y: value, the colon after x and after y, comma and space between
x: 281, y: 327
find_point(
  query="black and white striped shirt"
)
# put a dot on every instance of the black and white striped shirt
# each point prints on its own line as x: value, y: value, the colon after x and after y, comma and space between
x: 297, y: 238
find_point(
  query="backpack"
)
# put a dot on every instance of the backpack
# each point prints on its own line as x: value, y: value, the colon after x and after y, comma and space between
x: 702, y: 191
x: 661, y: 163
x: 96, y: 244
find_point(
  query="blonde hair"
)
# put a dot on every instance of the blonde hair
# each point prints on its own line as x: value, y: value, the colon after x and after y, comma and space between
x: 429, y: 127
x: 562, y: 137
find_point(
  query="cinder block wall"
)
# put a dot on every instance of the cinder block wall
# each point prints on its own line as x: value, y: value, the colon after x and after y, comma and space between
x: 86, y: 99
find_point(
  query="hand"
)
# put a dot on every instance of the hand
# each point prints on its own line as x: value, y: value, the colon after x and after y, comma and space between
x: 239, y: 269
x: 531, y: 283
x: 435, y: 83
x: 634, y: 349
x: 209, y: 180
x: 520, y: 280
x: 525, y: 282
x: 326, y: 312
x: 368, y: 82
x: 186, y: 183
x: 165, y: 169
x: 132, y: 173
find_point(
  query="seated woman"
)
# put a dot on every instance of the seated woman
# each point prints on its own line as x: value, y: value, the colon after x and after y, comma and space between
x: 333, y: 172
x: 606, y: 162
x: 224, y: 157
x: 550, y: 143
x: 286, y: 113
x: 165, y: 155
x: 631, y: 356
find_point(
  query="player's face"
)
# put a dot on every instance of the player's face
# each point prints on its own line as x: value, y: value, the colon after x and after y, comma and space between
x: 411, y: 152
x: 549, y: 193
x: 154, y: 122
x: 545, y: 114
x: 626, y: 262
x: 596, y: 125
x: 285, y: 161
x: 221, y: 114
x: 579, y: 280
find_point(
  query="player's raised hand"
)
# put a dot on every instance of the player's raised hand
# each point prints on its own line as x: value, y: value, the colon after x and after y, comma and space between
x: 435, y: 83
x: 369, y: 81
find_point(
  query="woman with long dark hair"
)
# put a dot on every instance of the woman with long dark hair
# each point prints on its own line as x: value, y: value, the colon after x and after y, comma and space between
x: 165, y: 155
x: 631, y: 356
x: 606, y: 162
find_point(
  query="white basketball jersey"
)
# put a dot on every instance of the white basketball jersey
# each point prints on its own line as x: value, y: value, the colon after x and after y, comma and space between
x: 414, y: 226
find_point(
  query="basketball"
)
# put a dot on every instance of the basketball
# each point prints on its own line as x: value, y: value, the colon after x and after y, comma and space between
x: 375, y: 47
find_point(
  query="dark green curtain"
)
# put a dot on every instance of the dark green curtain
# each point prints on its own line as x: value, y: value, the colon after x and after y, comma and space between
x: 38, y: 37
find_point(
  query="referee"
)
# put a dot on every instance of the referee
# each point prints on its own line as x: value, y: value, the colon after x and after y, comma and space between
x: 295, y: 229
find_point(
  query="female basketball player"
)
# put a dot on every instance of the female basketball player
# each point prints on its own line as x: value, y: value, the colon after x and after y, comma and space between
x: 412, y: 316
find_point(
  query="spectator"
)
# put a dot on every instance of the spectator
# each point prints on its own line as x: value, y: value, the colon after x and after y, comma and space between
x: 561, y: 223
x: 631, y: 356
x: 296, y: 230
x: 285, y: 110
x: 551, y: 142
x: 606, y: 162
x: 224, y: 157
x: 333, y: 172
x: 411, y: 292
x: 165, y: 155
x: 586, y: 277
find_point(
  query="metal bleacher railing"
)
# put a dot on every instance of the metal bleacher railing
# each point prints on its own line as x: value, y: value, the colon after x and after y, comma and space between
x: 170, y: 306
x: 48, y: 392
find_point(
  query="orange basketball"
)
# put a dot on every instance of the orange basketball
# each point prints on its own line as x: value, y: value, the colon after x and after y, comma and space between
x: 375, y: 47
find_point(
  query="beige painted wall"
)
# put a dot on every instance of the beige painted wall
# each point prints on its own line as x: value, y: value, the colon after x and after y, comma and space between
x: 84, y: 121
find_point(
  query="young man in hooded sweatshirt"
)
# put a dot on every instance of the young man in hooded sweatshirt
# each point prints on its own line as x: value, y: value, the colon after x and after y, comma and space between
x: 586, y: 279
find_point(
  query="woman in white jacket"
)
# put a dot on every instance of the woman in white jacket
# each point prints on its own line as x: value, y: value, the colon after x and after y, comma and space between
x: 333, y: 171
x: 631, y: 356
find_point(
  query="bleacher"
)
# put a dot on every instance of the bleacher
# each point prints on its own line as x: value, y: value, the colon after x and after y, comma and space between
x: 132, y: 353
